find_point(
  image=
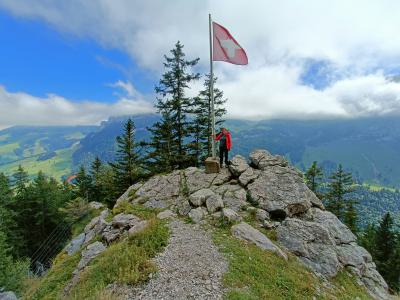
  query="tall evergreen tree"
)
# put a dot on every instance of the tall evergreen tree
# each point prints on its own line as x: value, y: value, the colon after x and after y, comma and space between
x: 339, y: 186
x: 313, y: 177
x: 97, y: 192
x: 127, y: 165
x: 170, y: 148
x: 351, y: 216
x: 201, y: 126
x: 83, y: 183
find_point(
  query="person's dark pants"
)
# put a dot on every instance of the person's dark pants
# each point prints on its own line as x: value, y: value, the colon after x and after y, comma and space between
x: 223, y: 153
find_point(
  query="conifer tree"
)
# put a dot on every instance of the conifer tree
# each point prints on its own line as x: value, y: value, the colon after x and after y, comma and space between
x: 174, y: 107
x: 351, y: 216
x: 313, y: 177
x: 201, y: 126
x: 339, y: 186
x: 83, y: 183
x: 127, y: 165
x: 97, y: 192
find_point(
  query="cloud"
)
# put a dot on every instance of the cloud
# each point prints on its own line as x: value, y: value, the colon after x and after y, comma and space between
x: 356, y: 39
x: 24, y: 109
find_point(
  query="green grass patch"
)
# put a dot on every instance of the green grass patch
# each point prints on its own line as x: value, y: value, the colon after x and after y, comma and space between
x: 347, y: 288
x: 78, y: 227
x: 51, y: 286
x: 127, y: 262
x: 258, y: 274
x: 135, y: 209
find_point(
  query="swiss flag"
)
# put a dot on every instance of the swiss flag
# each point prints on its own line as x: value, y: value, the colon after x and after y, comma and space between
x: 226, y: 48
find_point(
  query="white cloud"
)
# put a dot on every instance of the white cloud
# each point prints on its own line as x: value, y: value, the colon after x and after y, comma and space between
x: 354, y: 37
x: 24, y: 109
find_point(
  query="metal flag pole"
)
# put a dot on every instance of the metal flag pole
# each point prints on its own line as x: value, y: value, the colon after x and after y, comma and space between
x: 214, y: 155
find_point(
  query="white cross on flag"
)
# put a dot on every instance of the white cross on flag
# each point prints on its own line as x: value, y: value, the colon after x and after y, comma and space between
x: 226, y: 48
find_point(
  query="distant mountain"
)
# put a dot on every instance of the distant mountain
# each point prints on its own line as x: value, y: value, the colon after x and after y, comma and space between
x: 47, y: 148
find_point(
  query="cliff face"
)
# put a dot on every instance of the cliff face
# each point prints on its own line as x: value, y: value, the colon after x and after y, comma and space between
x: 284, y: 204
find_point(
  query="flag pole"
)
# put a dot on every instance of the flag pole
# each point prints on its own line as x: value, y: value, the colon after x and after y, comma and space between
x: 214, y: 155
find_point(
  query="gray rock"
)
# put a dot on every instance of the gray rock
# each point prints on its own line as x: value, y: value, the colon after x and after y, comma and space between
x: 281, y: 190
x: 312, y: 243
x: 197, y: 179
x: 111, y: 234
x: 155, y: 203
x: 124, y: 221
x: 197, y: 214
x: 261, y: 215
x: 161, y: 187
x: 249, y: 176
x: 126, y: 196
x: 214, y: 203
x: 166, y: 214
x: 183, y: 206
x: 96, y: 205
x: 244, y: 231
x: 199, y: 198
x: 337, y: 229
x: 138, y: 227
x: 75, y: 244
x: 89, y: 253
x: 234, y: 196
x: 96, y: 226
x: 230, y: 215
x: 238, y: 165
x: 353, y: 255
x: 8, y: 296
x: 262, y: 159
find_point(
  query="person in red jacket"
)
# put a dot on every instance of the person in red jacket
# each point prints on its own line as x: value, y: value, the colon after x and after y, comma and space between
x: 225, y: 144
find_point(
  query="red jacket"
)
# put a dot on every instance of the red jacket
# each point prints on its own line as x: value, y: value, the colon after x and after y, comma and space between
x: 228, y: 139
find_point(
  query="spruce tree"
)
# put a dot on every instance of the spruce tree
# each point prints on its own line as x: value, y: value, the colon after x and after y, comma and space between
x: 313, y: 177
x: 351, y: 216
x: 202, y: 123
x: 83, y: 183
x: 174, y: 107
x: 339, y: 186
x: 96, y: 193
x: 127, y: 165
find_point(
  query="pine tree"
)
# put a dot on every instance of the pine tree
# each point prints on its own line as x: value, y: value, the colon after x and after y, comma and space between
x: 367, y: 239
x: 201, y: 126
x: 127, y: 165
x: 351, y: 216
x: 340, y: 184
x: 385, y: 245
x: 171, y: 148
x: 313, y: 177
x: 83, y: 183
x: 96, y: 193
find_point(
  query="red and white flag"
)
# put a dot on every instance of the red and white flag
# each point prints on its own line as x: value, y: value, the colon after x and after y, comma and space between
x: 226, y: 48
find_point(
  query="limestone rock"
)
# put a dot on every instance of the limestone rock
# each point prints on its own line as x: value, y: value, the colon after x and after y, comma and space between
x: 96, y: 205
x: 230, y: 215
x: 312, y: 243
x: 214, y: 203
x: 155, y: 203
x: 280, y: 190
x: 199, y: 198
x: 8, y: 296
x: 125, y: 196
x: 111, y: 234
x: 161, y: 187
x: 141, y: 225
x: 124, y: 221
x: 75, y: 244
x: 166, y: 214
x: 234, y: 196
x: 183, y: 206
x: 238, y: 165
x: 262, y: 159
x: 197, y: 214
x: 89, y: 253
x: 244, y: 231
x: 261, y: 215
x: 197, y: 179
x: 249, y: 176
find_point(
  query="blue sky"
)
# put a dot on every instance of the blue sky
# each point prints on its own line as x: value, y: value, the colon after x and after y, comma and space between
x: 35, y: 58
x: 79, y: 62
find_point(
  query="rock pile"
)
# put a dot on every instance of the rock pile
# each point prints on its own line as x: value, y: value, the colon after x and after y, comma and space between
x: 276, y: 193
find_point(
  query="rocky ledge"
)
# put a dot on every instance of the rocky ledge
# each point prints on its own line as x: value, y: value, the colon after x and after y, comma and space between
x: 276, y: 193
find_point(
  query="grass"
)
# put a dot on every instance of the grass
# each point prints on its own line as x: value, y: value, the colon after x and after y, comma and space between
x: 257, y: 274
x: 127, y: 262
x: 137, y: 210
x: 79, y: 226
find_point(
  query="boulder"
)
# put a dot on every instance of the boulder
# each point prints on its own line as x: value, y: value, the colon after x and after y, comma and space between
x: 89, y: 253
x: 248, y: 176
x: 262, y: 159
x: 197, y: 214
x: 111, y: 234
x: 261, y: 215
x: 230, y: 215
x: 214, y: 203
x: 183, y: 207
x: 353, y: 255
x: 124, y: 221
x: 95, y: 205
x: 199, y: 198
x: 155, y: 203
x: 8, y: 296
x: 238, y: 165
x: 75, y: 244
x: 126, y: 196
x: 166, y: 214
x: 233, y: 196
x: 244, y: 231
x: 281, y: 192
x: 161, y: 187
x: 141, y: 225
x: 312, y: 243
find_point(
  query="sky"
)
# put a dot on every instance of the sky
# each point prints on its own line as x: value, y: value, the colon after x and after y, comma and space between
x: 78, y: 62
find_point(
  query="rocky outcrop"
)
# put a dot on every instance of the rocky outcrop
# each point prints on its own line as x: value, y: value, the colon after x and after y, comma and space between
x: 269, y: 189
x: 8, y: 296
